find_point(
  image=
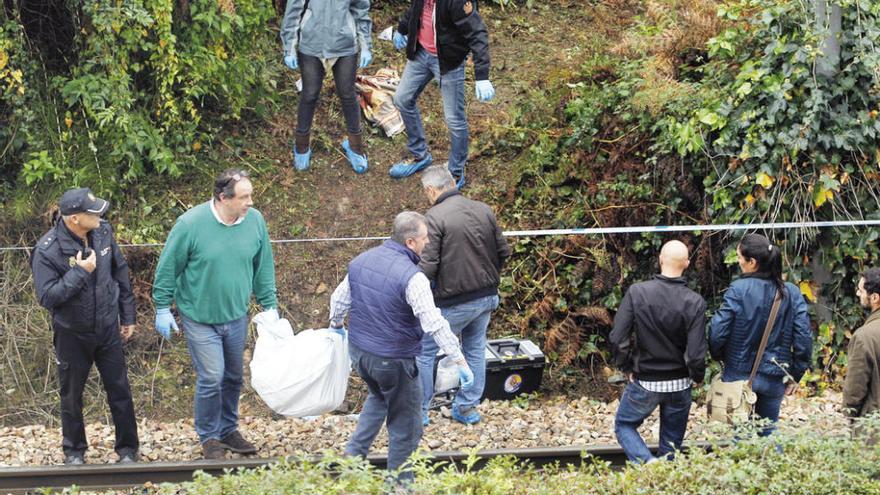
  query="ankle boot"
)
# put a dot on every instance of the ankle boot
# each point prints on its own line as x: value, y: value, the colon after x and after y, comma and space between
x: 302, y: 151
x: 354, y: 150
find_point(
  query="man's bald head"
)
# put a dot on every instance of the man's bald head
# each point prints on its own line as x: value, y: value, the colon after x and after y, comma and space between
x: 674, y: 259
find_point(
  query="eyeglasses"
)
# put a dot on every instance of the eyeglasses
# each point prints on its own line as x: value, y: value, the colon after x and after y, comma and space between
x: 233, y: 179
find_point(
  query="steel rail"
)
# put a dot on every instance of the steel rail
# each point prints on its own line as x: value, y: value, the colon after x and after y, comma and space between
x: 28, y: 479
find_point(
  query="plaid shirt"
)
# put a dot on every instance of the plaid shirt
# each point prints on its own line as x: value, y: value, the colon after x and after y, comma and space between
x: 666, y: 386
x: 420, y: 298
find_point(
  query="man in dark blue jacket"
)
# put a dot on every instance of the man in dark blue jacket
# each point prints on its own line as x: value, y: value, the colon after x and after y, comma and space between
x: 81, y: 277
x: 390, y: 307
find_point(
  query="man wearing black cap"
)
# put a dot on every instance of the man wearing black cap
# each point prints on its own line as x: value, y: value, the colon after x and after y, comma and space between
x: 81, y: 277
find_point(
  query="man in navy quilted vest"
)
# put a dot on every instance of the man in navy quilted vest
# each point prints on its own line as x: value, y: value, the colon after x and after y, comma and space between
x: 390, y: 307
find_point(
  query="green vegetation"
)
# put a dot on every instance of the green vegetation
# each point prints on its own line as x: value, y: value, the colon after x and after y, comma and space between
x: 682, y: 111
x: 702, y: 114
x: 804, y: 463
x: 128, y: 98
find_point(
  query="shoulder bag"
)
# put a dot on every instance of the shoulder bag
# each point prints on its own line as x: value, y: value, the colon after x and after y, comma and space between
x: 733, y: 402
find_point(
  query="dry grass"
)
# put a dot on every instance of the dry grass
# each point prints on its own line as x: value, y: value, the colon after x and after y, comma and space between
x: 670, y: 28
x: 658, y: 86
x: 28, y: 381
x: 668, y: 32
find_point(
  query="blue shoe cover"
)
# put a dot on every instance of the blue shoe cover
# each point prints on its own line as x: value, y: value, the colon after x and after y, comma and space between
x: 459, y: 184
x: 358, y: 162
x: 405, y: 169
x: 301, y: 160
x: 466, y: 416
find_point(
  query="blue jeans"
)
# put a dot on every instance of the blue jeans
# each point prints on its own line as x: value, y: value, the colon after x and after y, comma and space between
x: 393, y: 399
x: 416, y: 76
x: 216, y: 352
x: 770, y: 391
x: 468, y: 320
x: 636, y: 404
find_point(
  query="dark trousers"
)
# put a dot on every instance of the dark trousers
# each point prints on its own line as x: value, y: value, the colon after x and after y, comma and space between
x: 75, y: 353
x: 636, y: 405
x: 395, y: 399
x: 770, y: 391
x: 312, y: 70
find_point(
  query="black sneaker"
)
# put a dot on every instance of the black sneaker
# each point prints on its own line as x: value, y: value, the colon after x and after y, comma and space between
x: 74, y: 460
x: 128, y: 458
x: 213, y: 450
x: 236, y: 443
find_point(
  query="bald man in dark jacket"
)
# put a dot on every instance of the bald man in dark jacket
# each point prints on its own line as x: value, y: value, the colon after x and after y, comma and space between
x: 659, y: 340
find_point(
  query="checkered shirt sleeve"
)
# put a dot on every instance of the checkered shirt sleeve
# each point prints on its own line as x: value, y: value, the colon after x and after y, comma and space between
x: 420, y: 298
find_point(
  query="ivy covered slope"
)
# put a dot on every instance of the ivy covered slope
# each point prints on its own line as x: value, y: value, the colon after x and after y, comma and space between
x: 697, y: 112
x: 703, y: 113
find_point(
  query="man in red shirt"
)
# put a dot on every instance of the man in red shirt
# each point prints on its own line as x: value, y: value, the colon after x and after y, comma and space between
x: 438, y: 36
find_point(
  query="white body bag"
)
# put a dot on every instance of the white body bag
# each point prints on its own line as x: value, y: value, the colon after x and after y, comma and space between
x: 299, y: 375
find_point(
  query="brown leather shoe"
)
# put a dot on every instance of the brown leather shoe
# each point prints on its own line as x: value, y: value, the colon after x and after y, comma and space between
x: 236, y: 443
x: 212, y: 449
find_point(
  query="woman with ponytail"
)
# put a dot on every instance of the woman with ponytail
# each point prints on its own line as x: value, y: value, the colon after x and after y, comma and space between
x: 737, y: 327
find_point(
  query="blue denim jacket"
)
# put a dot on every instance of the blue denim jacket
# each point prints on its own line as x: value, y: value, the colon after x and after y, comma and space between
x: 737, y: 327
x: 327, y: 28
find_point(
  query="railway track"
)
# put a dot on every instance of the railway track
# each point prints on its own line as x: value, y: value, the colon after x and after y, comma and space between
x: 25, y: 480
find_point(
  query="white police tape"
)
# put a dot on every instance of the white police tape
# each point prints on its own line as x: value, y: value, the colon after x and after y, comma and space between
x: 584, y: 231
x: 693, y: 228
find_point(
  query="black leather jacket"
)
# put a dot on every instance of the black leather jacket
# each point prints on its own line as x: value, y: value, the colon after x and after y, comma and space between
x: 660, y: 331
x: 80, y: 301
x: 459, y: 30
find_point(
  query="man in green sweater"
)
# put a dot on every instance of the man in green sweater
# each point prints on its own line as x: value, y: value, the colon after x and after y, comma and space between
x: 216, y: 256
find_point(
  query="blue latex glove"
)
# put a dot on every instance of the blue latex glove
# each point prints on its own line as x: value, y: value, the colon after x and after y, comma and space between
x: 165, y: 322
x: 341, y: 331
x: 366, y: 58
x: 466, y: 376
x: 399, y: 41
x: 291, y: 62
x: 485, y: 91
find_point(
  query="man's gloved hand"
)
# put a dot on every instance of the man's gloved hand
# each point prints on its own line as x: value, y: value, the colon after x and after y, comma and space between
x: 366, y: 58
x: 271, y: 314
x: 341, y: 331
x: 399, y: 41
x: 485, y: 91
x: 291, y: 62
x: 165, y: 322
x: 466, y: 376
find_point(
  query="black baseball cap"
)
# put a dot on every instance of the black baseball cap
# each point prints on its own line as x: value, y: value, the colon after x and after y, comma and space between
x: 82, y: 200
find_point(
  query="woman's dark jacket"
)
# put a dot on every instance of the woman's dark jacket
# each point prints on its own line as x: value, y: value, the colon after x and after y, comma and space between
x: 736, y: 329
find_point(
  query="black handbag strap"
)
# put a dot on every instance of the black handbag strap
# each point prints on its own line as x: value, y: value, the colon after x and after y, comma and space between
x: 777, y: 301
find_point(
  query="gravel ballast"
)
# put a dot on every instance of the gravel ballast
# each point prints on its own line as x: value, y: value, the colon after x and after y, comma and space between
x: 551, y: 422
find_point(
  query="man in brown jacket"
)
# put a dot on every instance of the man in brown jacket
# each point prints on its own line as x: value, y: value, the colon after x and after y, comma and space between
x: 861, y: 390
x: 463, y: 261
